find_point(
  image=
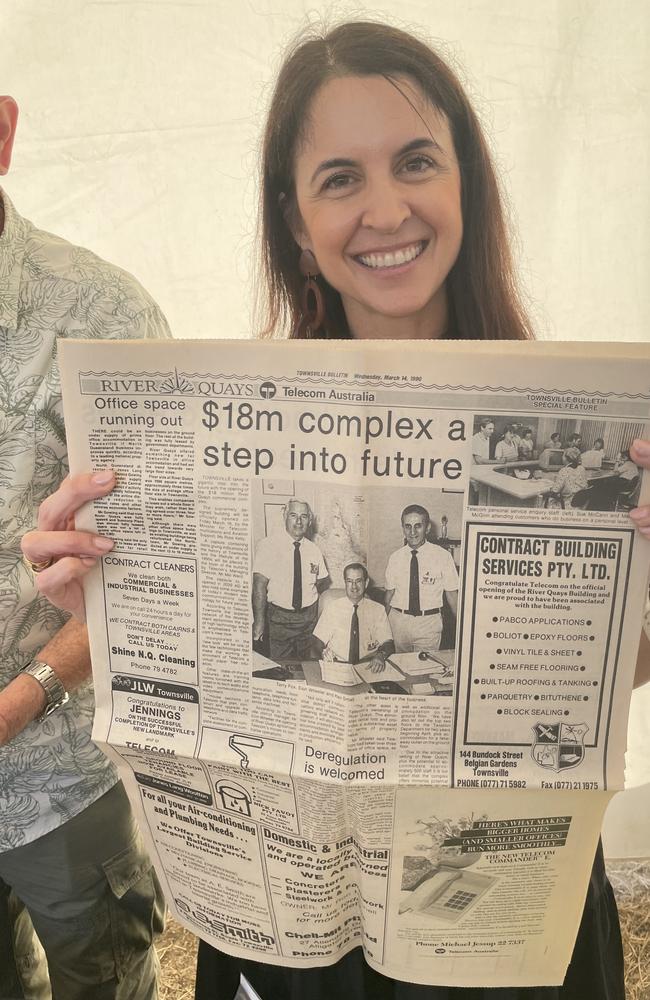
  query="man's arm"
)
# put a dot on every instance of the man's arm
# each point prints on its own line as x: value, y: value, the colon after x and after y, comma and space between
x: 23, y: 699
x: 260, y: 591
x: 318, y: 647
x: 388, y: 597
x: 452, y: 601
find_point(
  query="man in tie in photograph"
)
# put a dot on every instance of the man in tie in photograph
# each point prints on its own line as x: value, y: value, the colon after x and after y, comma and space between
x: 354, y: 629
x: 287, y: 572
x: 417, y: 576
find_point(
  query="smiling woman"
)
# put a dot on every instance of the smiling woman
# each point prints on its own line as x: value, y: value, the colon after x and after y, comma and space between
x: 384, y: 222
x: 375, y: 163
x: 377, y: 185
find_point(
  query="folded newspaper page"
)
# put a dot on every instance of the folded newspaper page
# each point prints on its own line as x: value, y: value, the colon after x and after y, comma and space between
x: 364, y: 648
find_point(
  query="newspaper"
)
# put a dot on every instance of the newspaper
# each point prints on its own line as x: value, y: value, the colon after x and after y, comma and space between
x: 428, y: 780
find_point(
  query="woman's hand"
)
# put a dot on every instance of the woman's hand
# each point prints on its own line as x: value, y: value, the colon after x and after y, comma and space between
x: 68, y: 554
x: 640, y: 455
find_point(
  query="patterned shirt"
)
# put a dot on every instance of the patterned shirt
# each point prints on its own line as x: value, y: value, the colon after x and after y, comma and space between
x: 51, y: 771
x: 569, y: 481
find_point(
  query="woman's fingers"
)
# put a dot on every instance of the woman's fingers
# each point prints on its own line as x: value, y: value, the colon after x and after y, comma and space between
x: 62, y: 584
x: 39, y: 546
x: 640, y: 455
x: 641, y: 518
x: 55, y: 512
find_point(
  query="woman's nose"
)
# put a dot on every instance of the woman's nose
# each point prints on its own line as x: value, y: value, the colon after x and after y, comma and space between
x: 386, y: 207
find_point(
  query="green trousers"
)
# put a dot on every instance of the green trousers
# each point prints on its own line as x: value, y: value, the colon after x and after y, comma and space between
x: 89, y: 892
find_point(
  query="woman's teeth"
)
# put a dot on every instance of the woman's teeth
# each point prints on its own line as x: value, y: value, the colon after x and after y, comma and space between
x: 393, y: 258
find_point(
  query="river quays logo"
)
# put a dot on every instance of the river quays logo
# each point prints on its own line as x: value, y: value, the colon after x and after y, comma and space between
x: 175, y: 383
x: 558, y: 746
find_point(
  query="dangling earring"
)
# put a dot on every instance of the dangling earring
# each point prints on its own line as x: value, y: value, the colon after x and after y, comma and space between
x: 311, y: 299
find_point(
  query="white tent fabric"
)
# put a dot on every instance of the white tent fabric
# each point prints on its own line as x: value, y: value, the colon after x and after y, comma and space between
x: 141, y: 121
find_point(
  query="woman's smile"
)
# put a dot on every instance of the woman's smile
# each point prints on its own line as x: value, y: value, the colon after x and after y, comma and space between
x: 395, y: 260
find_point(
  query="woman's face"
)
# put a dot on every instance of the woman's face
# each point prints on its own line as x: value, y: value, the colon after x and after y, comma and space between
x: 379, y: 199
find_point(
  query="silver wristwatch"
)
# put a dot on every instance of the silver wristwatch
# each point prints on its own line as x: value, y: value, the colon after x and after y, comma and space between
x: 55, y: 693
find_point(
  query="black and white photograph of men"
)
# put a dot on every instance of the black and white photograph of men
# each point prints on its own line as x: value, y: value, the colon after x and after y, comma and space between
x: 378, y: 595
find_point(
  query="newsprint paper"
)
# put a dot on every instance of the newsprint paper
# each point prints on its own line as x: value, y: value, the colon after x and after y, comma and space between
x: 417, y: 762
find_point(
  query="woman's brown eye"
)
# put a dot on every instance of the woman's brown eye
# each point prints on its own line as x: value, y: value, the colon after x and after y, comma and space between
x: 337, y: 181
x: 418, y: 164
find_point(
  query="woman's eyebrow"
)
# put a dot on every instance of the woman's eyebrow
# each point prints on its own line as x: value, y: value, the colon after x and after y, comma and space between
x: 424, y: 143
x: 330, y: 165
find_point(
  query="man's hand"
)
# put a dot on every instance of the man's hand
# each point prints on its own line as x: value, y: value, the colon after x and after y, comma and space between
x: 378, y: 663
x: 73, y: 553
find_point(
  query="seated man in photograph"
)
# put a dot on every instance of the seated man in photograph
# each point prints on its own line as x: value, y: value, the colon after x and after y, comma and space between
x: 608, y: 492
x: 626, y: 470
x: 288, y: 572
x: 555, y: 441
x: 354, y: 629
x: 593, y: 457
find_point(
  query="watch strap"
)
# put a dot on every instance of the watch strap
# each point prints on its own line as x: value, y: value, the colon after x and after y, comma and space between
x: 55, y: 692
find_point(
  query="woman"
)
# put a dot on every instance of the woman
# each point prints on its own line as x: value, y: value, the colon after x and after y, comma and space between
x: 381, y: 219
x: 571, y: 479
x: 527, y: 445
x: 507, y: 449
x: 619, y: 488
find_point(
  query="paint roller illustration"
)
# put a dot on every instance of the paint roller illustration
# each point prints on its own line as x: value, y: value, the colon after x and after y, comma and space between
x: 238, y: 742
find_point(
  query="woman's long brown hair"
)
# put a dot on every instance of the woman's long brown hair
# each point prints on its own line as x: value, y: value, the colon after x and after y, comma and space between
x: 483, y: 299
